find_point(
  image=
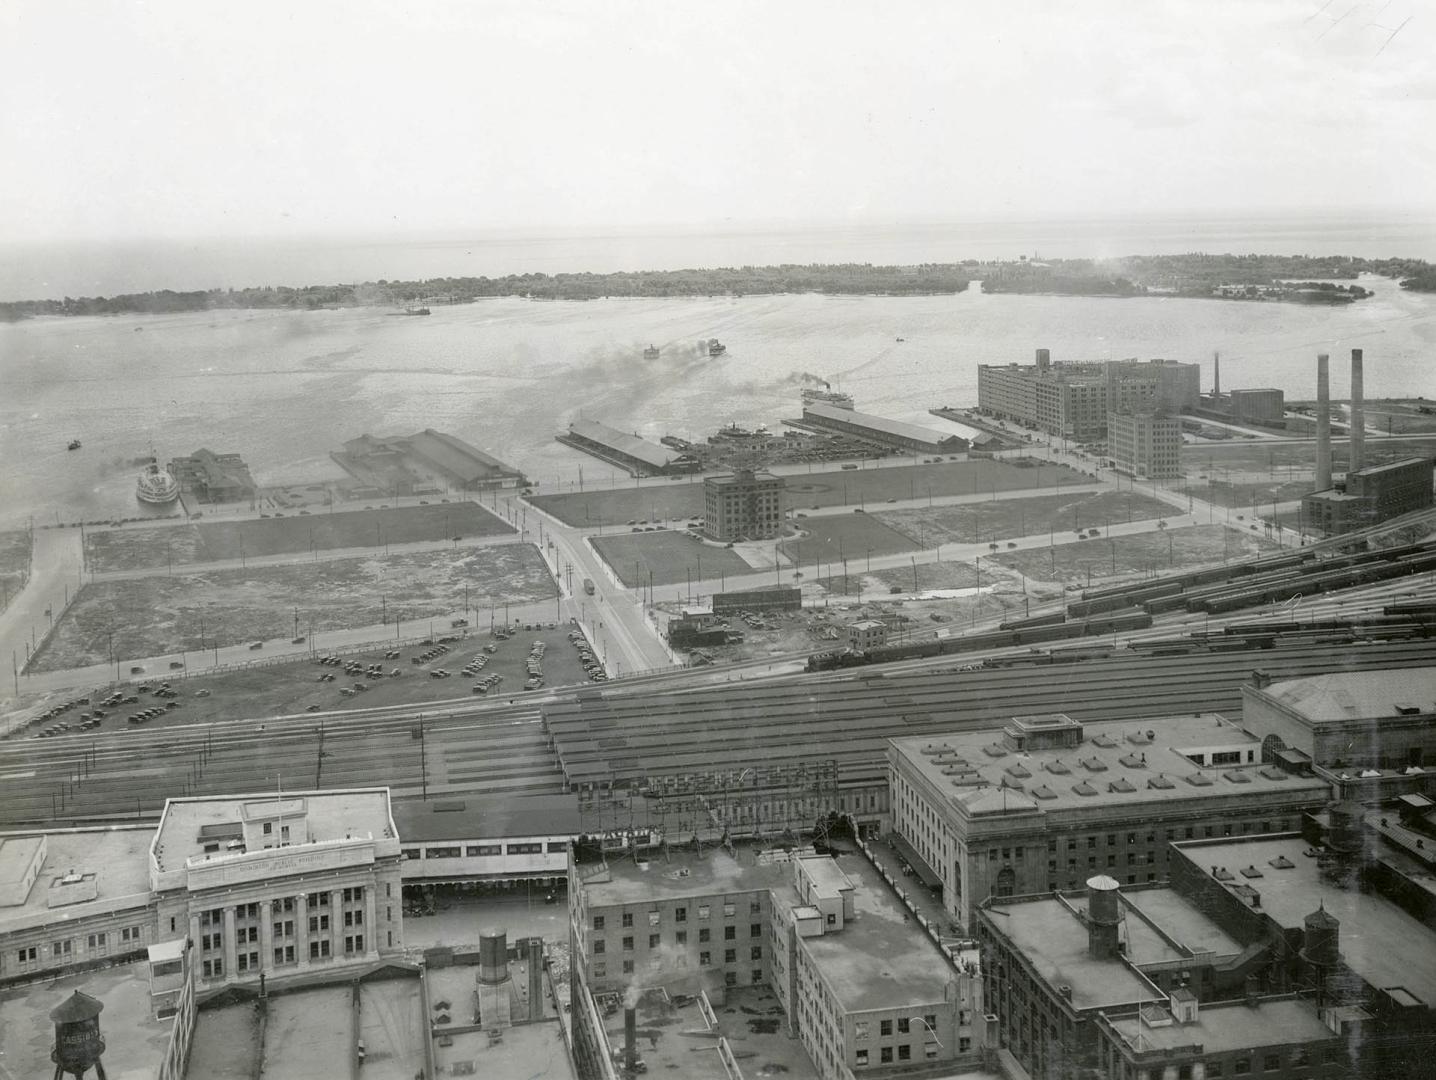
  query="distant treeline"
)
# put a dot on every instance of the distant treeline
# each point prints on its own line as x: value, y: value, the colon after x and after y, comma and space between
x: 1237, y: 277
x: 726, y: 281
x: 1192, y: 274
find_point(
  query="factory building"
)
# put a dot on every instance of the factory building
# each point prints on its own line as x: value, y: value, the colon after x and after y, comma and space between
x: 860, y: 983
x: 1047, y: 802
x: 1260, y: 405
x: 1145, y: 444
x: 1073, y: 400
x: 1370, y: 496
x: 637, y: 455
x: 743, y: 505
x: 896, y: 434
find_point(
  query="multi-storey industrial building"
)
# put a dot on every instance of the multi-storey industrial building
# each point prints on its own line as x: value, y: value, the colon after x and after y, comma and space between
x: 1147, y: 444
x: 1369, y: 496
x: 1048, y: 802
x: 861, y: 984
x: 743, y: 505
x: 1073, y: 400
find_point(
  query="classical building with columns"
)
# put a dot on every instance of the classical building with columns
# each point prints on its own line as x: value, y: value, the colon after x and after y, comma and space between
x: 272, y: 885
x: 278, y: 885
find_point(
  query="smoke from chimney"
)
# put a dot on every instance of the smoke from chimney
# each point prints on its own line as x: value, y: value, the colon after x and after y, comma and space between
x: 1323, y: 422
x: 1358, y: 414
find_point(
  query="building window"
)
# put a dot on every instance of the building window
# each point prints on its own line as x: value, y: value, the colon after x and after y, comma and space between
x: 755, y: 907
x: 729, y: 910
x: 600, y: 971
x: 319, y: 950
x: 60, y: 948
x: 885, y: 1028
x: 479, y: 851
x: 600, y: 947
x: 904, y: 1025
x: 705, y: 959
x: 1271, y: 1062
x: 524, y: 849
x: 1214, y: 1070
x: 885, y: 1055
x: 860, y: 1029
x: 680, y: 937
x: 730, y: 956
x: 653, y: 941
x: 628, y: 967
x: 730, y: 933
x: 27, y: 955
x: 598, y: 922
x: 964, y: 1044
x: 1241, y: 1066
x: 703, y: 910
x: 627, y: 919
x: 704, y: 934
x: 680, y: 914
x: 628, y: 943
x: 904, y: 1052
x: 354, y: 944
x: 755, y: 953
x: 557, y: 847
x: 97, y: 941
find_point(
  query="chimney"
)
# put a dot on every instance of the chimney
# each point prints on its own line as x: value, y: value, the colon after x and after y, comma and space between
x: 1358, y: 417
x: 630, y: 1040
x: 1253, y: 992
x: 1216, y: 378
x: 1103, y: 916
x: 1323, y: 423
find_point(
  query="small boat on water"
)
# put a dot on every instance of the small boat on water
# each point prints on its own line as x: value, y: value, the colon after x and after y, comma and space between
x: 74, y: 444
x: 416, y: 311
x: 156, y: 485
x: 651, y: 353
x: 716, y: 348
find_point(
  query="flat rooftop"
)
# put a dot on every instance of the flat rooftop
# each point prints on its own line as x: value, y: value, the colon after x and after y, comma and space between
x: 1178, y: 922
x: 1230, y: 1026
x: 1352, y: 695
x: 117, y: 858
x: 187, y: 824
x: 1054, y: 940
x: 480, y: 817
x: 882, y: 958
x: 1117, y: 764
x: 1379, y: 941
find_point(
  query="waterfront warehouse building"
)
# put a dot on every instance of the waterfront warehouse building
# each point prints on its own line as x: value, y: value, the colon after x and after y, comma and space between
x: 743, y: 505
x: 212, y: 477
x: 912, y: 438
x: 1370, y: 496
x: 1117, y: 983
x: 861, y: 983
x: 1145, y: 444
x: 1047, y: 801
x: 1072, y: 400
x: 631, y: 452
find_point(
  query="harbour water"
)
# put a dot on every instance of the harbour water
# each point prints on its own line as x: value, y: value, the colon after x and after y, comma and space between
x: 285, y: 388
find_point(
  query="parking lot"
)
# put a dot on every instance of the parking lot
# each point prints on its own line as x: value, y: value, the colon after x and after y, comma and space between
x: 506, y: 662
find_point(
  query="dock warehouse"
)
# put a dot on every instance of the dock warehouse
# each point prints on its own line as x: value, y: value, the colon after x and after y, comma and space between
x: 639, y: 456
x: 880, y: 429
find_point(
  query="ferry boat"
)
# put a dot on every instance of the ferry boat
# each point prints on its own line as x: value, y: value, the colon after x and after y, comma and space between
x: 835, y: 398
x: 155, y: 485
x: 416, y: 311
x: 651, y: 353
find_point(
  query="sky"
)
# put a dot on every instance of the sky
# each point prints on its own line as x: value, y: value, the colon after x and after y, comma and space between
x: 171, y: 119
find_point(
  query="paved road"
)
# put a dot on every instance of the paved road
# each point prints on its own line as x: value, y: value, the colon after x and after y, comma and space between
x: 54, y: 580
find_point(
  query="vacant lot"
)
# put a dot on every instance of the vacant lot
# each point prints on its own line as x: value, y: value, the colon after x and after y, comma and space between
x: 212, y: 541
x: 669, y: 556
x: 866, y: 487
x: 14, y: 562
x: 831, y: 538
x: 157, y: 615
x: 1090, y: 561
x: 1241, y: 495
x: 981, y: 522
x: 1262, y: 458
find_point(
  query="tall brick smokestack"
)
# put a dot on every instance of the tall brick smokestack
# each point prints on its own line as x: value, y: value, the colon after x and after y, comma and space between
x: 1358, y: 414
x: 630, y: 1039
x: 1323, y: 422
x: 1217, y: 378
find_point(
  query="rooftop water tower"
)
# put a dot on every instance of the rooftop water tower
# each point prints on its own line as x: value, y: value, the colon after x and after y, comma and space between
x: 78, y: 1042
x: 1103, y: 917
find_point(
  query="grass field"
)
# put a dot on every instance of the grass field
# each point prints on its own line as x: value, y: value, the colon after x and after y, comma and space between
x: 212, y: 541
x: 1090, y: 561
x: 671, y: 557
x: 1258, y: 457
x: 1239, y: 495
x: 153, y: 616
x: 866, y: 487
x: 830, y: 538
x: 14, y: 562
x: 980, y: 522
